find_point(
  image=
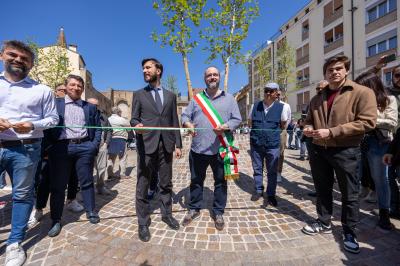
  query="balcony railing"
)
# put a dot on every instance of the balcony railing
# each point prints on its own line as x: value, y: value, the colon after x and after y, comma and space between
x: 333, y: 17
x: 303, y: 83
x: 333, y: 45
x: 380, y: 22
x: 372, y: 60
x: 303, y: 60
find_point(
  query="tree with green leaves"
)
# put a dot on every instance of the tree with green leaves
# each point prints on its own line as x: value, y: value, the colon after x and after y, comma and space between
x: 178, y: 16
x: 228, y: 27
x: 170, y: 84
x: 51, y: 65
x: 263, y: 66
x: 285, y: 72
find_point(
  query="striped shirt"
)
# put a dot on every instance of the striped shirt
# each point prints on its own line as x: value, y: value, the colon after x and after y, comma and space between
x: 74, y: 116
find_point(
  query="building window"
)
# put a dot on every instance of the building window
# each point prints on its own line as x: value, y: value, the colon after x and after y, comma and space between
x: 388, y: 78
x: 305, y: 27
x: 393, y: 42
x: 382, y: 46
x: 332, y: 7
x: 319, y: 2
x: 334, y: 34
x: 296, y: 19
x: 307, y: 10
x: 380, y: 10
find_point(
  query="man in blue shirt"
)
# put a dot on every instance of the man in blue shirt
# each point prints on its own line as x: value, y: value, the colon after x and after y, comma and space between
x: 205, y: 147
x: 26, y: 109
x: 267, y: 119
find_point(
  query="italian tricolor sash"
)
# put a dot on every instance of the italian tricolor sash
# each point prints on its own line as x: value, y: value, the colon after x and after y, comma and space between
x: 227, y: 150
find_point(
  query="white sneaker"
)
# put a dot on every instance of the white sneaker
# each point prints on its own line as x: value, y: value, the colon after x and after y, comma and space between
x: 371, y: 198
x: 279, y: 178
x: 74, y: 206
x: 35, y: 217
x: 15, y: 255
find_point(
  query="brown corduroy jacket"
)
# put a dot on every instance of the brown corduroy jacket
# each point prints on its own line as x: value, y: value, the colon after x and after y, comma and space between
x: 354, y: 112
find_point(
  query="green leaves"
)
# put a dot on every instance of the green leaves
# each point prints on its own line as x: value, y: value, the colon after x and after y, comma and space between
x: 52, y: 65
x: 228, y: 27
x: 285, y: 73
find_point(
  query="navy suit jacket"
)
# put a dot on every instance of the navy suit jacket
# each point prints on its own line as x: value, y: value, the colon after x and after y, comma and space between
x: 92, y: 118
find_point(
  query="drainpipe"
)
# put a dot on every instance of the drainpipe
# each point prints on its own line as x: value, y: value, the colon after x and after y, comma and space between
x: 352, y: 10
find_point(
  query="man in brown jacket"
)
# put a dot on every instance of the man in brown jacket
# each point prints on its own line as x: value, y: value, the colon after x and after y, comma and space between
x: 337, y: 119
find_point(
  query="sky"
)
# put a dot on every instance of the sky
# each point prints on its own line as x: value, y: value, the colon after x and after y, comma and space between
x: 114, y: 36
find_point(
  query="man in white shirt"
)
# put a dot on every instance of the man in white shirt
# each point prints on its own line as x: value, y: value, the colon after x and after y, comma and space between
x: 117, y: 147
x: 26, y: 109
x: 288, y: 114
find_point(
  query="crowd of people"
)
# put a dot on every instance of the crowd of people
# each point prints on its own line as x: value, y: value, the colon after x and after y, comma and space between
x: 348, y: 133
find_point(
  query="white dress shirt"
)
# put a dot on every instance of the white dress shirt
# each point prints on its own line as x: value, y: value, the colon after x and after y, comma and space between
x: 26, y: 101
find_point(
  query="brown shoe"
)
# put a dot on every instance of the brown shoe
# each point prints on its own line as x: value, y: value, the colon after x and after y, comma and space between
x: 190, y: 216
x: 219, y: 222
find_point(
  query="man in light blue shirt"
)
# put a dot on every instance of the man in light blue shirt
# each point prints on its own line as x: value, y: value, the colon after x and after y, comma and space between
x: 205, y: 147
x: 26, y: 109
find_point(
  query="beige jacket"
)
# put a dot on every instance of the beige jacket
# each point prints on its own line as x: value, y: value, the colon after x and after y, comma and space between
x: 354, y: 112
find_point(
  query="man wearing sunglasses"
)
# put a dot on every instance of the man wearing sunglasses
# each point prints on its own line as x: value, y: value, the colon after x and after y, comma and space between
x: 267, y: 121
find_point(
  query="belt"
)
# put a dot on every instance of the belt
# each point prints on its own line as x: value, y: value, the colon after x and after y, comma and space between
x: 78, y: 141
x: 13, y: 143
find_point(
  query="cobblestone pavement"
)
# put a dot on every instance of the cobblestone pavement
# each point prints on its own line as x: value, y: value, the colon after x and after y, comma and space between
x: 254, y: 234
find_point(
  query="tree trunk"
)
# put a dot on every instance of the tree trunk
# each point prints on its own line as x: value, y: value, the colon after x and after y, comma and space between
x: 226, y: 75
x: 189, y: 83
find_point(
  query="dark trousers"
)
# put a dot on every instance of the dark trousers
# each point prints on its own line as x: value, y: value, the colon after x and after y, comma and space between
x: 160, y: 162
x: 65, y: 158
x: 43, y: 187
x: 198, y: 167
x: 344, y: 161
x: 394, y: 189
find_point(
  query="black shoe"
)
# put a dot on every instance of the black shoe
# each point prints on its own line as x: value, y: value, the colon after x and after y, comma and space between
x: 384, y: 220
x: 171, y: 222
x: 219, y: 222
x: 312, y: 194
x: 395, y: 215
x: 190, y: 216
x: 350, y: 243
x: 144, y: 233
x: 55, y: 229
x: 256, y: 196
x: 93, y: 217
x: 302, y: 158
x: 272, y: 201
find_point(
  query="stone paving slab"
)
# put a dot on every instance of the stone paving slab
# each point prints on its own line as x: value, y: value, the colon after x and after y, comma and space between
x: 255, y: 234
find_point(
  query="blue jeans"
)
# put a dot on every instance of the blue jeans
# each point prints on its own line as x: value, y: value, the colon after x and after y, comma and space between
x: 379, y: 171
x: 303, y: 148
x: 20, y: 162
x: 290, y: 133
x: 271, y: 156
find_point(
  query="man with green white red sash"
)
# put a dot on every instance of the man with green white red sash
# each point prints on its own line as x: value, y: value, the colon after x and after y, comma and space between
x: 267, y: 119
x: 218, y: 111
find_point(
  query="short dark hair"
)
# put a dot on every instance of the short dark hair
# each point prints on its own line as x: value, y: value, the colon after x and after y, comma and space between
x: 337, y: 58
x: 76, y: 77
x: 156, y: 63
x: 19, y: 46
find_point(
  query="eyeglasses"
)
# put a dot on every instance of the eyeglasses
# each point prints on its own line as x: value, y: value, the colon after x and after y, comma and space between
x: 268, y: 90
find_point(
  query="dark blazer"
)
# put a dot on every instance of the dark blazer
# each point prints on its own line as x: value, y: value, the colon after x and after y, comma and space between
x: 92, y: 118
x: 145, y: 111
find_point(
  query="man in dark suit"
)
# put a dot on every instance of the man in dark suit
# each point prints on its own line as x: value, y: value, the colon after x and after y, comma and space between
x: 73, y: 148
x: 154, y: 106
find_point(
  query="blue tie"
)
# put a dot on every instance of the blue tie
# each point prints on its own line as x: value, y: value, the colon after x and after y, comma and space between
x: 158, y: 100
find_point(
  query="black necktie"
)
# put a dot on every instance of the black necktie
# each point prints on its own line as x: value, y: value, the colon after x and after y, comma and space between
x: 158, y: 101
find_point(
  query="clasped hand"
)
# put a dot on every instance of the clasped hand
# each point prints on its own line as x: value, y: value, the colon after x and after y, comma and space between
x: 20, y: 127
